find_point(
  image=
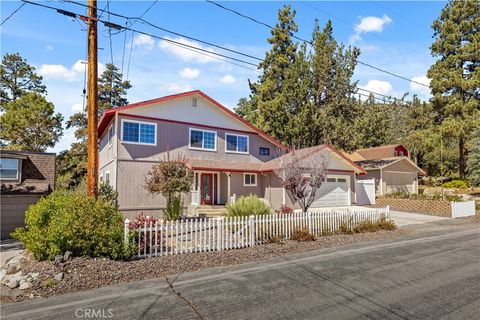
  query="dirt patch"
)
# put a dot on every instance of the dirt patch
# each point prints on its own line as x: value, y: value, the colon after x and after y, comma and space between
x: 85, y: 273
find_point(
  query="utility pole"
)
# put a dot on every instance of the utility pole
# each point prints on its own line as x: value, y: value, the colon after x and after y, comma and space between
x: 92, y: 102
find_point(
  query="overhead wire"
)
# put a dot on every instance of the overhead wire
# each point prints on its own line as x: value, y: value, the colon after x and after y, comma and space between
x: 12, y: 14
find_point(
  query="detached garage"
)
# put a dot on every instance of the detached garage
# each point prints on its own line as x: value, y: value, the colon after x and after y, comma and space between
x: 398, y: 174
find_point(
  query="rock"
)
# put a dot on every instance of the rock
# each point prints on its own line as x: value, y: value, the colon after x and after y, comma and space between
x: 34, y: 275
x: 13, y: 268
x: 67, y: 255
x: 22, y: 281
x: 25, y: 285
x: 31, y: 296
x: 58, y: 276
x: 58, y: 259
x: 13, y: 283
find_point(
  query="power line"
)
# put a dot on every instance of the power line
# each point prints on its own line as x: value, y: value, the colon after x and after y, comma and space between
x: 360, y: 62
x: 145, y: 12
x: 12, y: 14
x: 211, y: 54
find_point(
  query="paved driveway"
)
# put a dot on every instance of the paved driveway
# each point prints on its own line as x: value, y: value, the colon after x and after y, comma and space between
x: 407, y: 218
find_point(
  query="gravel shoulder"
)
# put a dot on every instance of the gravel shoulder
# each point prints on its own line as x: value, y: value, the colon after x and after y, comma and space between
x: 85, y: 273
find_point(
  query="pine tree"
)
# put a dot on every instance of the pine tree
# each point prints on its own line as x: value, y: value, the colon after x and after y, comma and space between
x: 17, y: 78
x: 473, y: 163
x: 30, y: 123
x: 455, y: 75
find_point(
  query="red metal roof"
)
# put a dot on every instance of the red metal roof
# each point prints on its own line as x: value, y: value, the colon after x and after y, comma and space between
x: 109, y: 114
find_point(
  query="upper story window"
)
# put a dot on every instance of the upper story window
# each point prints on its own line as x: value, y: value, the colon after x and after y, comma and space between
x: 139, y: 132
x: 111, y: 132
x: 203, y: 139
x: 264, y: 151
x: 194, y: 102
x: 9, y: 169
x: 236, y: 143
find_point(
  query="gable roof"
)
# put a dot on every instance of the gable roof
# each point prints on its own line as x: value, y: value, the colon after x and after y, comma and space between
x: 380, y: 152
x: 384, y: 163
x: 109, y: 114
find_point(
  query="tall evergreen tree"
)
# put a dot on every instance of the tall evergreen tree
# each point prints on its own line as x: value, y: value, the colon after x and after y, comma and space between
x: 455, y: 75
x: 17, y: 78
x: 473, y: 163
x: 30, y: 123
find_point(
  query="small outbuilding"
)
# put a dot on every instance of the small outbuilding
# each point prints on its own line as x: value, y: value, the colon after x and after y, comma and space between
x: 391, y: 168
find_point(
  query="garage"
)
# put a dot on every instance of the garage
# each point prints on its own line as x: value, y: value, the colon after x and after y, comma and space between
x: 334, y: 192
x: 12, y: 212
x: 399, y: 181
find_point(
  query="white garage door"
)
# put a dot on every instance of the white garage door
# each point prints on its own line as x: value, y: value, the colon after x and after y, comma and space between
x: 333, y: 192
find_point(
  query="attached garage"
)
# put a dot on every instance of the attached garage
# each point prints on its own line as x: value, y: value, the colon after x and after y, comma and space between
x: 13, y: 212
x: 334, y: 192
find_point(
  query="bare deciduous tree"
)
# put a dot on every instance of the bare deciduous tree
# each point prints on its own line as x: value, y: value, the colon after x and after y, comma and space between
x: 302, y: 176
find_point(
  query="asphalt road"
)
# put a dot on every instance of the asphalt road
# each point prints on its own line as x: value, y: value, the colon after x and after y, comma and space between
x: 434, y: 275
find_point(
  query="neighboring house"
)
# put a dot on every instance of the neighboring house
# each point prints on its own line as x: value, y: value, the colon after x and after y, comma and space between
x: 229, y: 156
x: 25, y: 177
x: 391, y: 168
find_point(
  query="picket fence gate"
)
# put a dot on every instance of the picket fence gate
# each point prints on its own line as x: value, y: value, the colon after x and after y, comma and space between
x: 198, y: 234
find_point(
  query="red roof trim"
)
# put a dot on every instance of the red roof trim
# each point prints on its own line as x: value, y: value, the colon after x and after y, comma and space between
x: 183, y: 122
x: 109, y: 113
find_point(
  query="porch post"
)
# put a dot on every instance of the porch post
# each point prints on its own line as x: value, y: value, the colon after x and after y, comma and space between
x: 228, y: 186
x: 381, y: 181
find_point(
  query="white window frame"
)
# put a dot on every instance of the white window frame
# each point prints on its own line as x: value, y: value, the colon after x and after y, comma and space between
x: 194, y: 102
x: 19, y: 170
x: 264, y: 155
x: 110, y: 139
x: 139, y: 122
x: 203, y: 140
x: 250, y: 185
x: 237, y: 135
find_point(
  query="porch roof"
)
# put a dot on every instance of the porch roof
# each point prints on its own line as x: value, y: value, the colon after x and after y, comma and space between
x: 225, y: 166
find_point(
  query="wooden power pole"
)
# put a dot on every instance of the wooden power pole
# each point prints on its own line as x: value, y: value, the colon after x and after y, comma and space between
x: 92, y: 103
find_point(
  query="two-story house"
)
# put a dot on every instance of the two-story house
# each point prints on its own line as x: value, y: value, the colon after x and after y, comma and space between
x: 229, y: 156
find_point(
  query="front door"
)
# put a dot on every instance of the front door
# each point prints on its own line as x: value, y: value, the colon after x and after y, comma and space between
x: 206, y: 188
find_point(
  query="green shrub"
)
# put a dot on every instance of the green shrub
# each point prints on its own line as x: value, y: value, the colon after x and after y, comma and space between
x: 69, y: 221
x: 173, y: 210
x: 456, y: 184
x: 107, y: 192
x: 247, y: 206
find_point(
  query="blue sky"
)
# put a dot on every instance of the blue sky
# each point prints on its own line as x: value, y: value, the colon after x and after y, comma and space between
x: 395, y: 36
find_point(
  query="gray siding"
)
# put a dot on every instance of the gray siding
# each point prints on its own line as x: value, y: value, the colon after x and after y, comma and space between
x: 12, y: 212
x: 174, y: 137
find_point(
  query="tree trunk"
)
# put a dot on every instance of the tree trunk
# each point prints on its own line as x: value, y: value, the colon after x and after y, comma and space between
x: 461, y: 157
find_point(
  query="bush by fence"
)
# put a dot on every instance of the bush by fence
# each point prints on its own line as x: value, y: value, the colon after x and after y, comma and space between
x: 156, y: 238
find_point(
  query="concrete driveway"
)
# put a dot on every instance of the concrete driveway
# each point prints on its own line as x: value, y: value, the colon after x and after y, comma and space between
x: 407, y: 218
x: 8, y: 249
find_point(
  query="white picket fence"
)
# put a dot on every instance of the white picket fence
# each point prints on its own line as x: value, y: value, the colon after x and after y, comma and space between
x: 224, y: 233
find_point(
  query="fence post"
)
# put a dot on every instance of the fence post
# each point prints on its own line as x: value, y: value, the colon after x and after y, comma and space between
x: 251, y: 230
x: 387, y: 212
x: 309, y: 222
x: 219, y: 233
x: 126, y: 224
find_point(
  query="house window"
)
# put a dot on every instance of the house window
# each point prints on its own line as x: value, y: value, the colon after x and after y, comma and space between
x: 139, y: 132
x: 203, y: 139
x: 249, y: 179
x: 236, y: 143
x: 110, y: 135
x: 264, y: 151
x: 9, y: 169
x: 194, y: 102
x: 331, y: 180
x: 107, y: 177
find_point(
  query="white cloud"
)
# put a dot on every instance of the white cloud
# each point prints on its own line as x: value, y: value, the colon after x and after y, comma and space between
x: 77, y: 107
x: 50, y: 48
x: 188, y: 54
x: 144, y: 41
x: 417, y: 88
x: 228, y: 79
x: 57, y: 72
x: 177, y: 88
x: 79, y: 66
x: 369, y: 24
x: 378, y: 86
x: 189, y: 73
x: 372, y: 24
